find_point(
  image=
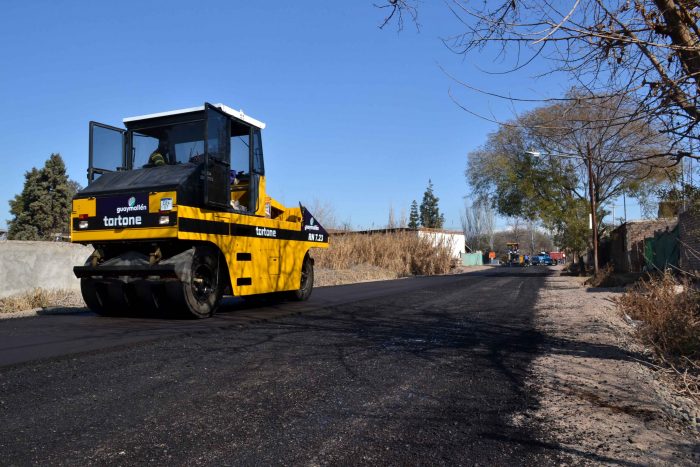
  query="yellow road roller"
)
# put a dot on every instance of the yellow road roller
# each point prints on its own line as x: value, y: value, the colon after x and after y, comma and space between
x: 177, y: 210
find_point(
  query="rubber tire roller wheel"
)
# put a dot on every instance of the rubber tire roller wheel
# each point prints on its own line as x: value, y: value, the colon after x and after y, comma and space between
x: 307, y: 281
x: 97, y: 297
x: 91, y: 297
x: 201, y: 295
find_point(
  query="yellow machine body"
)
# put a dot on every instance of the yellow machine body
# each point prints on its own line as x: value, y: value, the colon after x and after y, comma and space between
x: 257, y: 264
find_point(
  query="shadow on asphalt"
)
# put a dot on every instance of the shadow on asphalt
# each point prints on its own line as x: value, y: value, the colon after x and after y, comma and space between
x: 506, y: 271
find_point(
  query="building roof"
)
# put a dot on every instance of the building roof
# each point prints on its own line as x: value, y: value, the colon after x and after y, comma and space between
x: 224, y: 108
x: 396, y: 229
x: 447, y: 231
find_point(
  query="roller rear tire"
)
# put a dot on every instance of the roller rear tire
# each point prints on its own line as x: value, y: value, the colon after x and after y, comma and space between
x: 307, y: 281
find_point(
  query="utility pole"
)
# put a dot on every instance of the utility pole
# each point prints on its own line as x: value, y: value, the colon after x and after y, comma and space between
x: 591, y: 192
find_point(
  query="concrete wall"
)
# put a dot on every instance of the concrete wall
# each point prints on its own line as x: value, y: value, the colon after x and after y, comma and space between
x: 689, y: 227
x: 49, y: 265
x: 626, y: 248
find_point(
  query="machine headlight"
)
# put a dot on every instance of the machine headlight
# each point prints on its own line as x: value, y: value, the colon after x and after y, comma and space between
x: 164, y: 220
x: 83, y: 224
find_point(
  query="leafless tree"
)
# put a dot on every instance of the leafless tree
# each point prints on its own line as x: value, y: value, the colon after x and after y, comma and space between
x: 482, y: 210
x: 471, y: 226
x: 647, y: 50
x: 392, y: 223
x: 488, y: 221
x: 324, y: 212
x: 478, y: 224
x: 516, y: 229
x: 397, y: 9
x: 403, y: 220
x: 531, y: 229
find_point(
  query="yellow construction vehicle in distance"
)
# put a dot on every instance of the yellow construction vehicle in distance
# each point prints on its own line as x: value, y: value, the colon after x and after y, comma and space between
x: 514, y: 257
x: 177, y: 210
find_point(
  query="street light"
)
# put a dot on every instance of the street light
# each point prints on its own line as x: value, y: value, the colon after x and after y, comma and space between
x: 594, y: 220
x: 539, y: 154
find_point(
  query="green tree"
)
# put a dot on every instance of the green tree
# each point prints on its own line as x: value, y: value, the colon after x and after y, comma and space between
x: 554, y: 186
x: 414, y: 217
x: 429, y: 211
x: 43, y: 207
x: 676, y: 198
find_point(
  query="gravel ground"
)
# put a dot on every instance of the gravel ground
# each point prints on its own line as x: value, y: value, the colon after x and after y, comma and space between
x: 599, y: 397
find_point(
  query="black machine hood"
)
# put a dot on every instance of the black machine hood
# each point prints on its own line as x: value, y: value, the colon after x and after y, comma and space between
x: 181, y: 177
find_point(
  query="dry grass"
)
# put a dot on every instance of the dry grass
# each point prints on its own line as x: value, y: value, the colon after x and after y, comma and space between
x: 401, y: 253
x: 668, y: 311
x: 40, y: 298
x: 607, y: 277
x: 604, y: 278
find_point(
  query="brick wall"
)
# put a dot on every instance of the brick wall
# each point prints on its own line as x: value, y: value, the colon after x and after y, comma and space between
x: 689, y: 226
x: 627, y: 242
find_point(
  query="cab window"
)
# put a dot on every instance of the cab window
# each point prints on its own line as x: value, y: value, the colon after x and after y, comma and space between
x: 243, y: 186
x: 178, y: 144
x: 240, y: 150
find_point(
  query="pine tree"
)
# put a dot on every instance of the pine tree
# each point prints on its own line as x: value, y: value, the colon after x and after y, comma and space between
x: 414, y: 217
x: 21, y: 228
x: 429, y: 211
x: 43, y: 207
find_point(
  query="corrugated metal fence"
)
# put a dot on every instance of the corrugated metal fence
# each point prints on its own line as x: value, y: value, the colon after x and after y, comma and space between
x: 472, y: 259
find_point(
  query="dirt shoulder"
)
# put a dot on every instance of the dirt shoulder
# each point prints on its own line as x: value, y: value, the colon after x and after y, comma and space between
x: 600, y: 397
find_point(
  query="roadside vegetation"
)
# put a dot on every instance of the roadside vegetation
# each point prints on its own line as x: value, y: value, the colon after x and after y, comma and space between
x: 399, y: 253
x: 666, y: 313
x: 40, y: 298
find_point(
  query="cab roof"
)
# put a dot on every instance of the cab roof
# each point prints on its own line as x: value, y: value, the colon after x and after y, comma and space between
x: 238, y: 114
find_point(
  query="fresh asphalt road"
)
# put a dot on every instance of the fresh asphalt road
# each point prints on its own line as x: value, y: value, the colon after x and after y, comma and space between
x: 416, y: 371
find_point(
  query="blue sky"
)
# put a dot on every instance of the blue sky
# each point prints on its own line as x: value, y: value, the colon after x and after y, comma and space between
x: 357, y: 117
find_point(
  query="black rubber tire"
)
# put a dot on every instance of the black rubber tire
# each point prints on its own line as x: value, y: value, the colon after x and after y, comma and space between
x: 150, y: 298
x: 92, y: 297
x: 119, y: 302
x: 104, y: 298
x: 201, y: 295
x: 307, y: 281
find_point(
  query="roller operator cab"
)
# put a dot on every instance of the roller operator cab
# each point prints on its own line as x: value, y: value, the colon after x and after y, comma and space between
x: 177, y: 211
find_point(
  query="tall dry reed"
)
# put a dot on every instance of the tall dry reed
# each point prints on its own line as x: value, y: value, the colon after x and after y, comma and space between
x: 401, y: 252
